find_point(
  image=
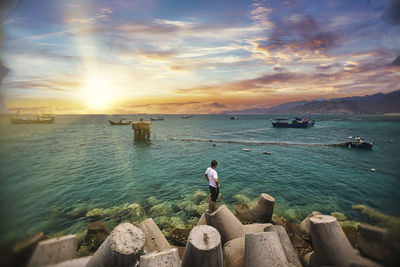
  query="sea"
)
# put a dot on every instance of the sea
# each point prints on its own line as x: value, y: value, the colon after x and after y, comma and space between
x: 53, y: 177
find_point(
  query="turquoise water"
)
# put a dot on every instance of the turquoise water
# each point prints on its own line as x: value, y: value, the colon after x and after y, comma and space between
x: 81, y: 162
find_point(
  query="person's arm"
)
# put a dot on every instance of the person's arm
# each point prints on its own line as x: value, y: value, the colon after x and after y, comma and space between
x: 216, y: 182
x: 206, y: 176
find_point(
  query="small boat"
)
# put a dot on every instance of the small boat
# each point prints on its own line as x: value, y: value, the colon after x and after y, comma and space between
x: 156, y: 118
x: 120, y: 122
x: 187, y: 117
x: 296, y: 123
x: 42, y: 119
x: 234, y: 117
x: 360, y: 143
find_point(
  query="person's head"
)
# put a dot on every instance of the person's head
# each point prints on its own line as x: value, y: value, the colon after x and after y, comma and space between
x: 214, y: 164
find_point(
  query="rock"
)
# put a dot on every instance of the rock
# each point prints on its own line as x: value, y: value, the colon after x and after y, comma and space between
x: 179, y: 236
x: 164, y: 258
x: 181, y: 251
x: 53, y: 251
x: 375, y: 243
x: 96, y: 234
x: 244, y: 214
x: 122, y: 247
x: 203, y: 248
x: 264, y: 208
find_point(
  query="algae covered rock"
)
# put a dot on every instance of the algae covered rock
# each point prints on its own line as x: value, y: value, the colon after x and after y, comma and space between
x: 339, y: 216
x: 199, y: 197
x: 95, y: 213
x: 160, y: 210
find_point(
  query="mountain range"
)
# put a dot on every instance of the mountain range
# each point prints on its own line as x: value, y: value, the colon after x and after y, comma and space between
x: 370, y: 104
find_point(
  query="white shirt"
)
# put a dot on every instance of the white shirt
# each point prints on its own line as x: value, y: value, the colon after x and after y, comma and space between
x: 212, y: 175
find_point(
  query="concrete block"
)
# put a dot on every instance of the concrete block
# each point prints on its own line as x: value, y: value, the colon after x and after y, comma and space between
x: 155, y: 239
x: 234, y: 253
x: 53, y: 251
x: 226, y: 223
x: 203, y: 248
x: 122, y: 247
x: 256, y: 227
x: 264, y: 208
x: 163, y: 258
x: 78, y: 262
x: 264, y: 250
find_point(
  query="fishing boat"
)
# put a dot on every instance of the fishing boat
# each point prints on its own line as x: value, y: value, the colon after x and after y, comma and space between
x: 40, y: 118
x: 360, y: 143
x: 156, y: 118
x: 120, y: 122
x: 282, y: 122
x: 234, y: 117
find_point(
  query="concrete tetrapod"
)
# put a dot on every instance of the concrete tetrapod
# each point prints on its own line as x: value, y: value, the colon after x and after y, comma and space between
x: 226, y: 223
x: 155, y: 240
x: 305, y: 227
x: 234, y: 253
x: 331, y: 246
x: 264, y: 208
x: 203, y: 248
x: 53, y: 251
x: 256, y: 227
x: 163, y: 258
x: 264, y: 250
x: 286, y: 244
x: 122, y: 247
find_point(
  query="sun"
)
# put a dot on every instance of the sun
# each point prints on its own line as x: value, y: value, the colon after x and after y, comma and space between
x: 96, y: 92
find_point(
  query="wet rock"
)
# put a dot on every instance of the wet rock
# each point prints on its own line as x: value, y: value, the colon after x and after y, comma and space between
x: 160, y: 210
x: 199, y: 197
x: 305, y: 227
x: 244, y: 214
x: 96, y: 234
x: 179, y: 236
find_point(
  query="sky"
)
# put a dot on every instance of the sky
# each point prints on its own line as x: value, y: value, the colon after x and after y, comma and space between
x: 154, y: 56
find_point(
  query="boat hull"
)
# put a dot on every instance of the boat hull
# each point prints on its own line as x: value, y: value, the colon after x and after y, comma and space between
x: 119, y: 123
x: 363, y: 145
x: 292, y: 125
x: 21, y: 121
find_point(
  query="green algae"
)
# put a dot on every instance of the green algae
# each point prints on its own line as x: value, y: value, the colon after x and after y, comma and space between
x: 339, y: 216
x: 391, y: 223
x: 160, y: 210
x: 199, y: 197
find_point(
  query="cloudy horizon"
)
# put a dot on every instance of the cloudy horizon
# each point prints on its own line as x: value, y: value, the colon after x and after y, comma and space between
x: 196, y: 56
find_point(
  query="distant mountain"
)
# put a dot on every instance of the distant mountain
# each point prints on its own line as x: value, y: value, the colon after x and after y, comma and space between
x: 378, y: 103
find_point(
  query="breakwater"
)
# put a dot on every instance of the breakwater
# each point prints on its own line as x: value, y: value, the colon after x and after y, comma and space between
x: 251, y: 236
x: 345, y: 144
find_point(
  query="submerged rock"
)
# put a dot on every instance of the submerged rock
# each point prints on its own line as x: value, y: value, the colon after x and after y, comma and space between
x: 179, y: 236
x: 199, y: 197
x: 160, y: 210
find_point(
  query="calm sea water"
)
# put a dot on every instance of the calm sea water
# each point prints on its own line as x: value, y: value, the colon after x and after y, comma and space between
x: 82, y: 161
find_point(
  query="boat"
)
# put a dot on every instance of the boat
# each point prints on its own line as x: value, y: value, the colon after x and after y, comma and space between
x: 120, y: 122
x: 282, y: 122
x: 156, y: 118
x: 234, y: 117
x: 360, y: 143
x: 41, y: 118
x: 187, y: 117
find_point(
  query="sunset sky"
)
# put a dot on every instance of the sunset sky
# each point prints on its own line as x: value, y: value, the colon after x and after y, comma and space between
x: 154, y: 56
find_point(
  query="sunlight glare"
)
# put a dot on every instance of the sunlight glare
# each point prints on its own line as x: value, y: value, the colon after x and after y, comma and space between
x: 96, y: 92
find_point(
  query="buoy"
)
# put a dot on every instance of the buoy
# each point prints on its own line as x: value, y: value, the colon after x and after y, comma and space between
x: 246, y: 149
x: 373, y: 170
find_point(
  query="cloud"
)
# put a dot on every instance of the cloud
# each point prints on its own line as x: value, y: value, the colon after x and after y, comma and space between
x: 393, y: 12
